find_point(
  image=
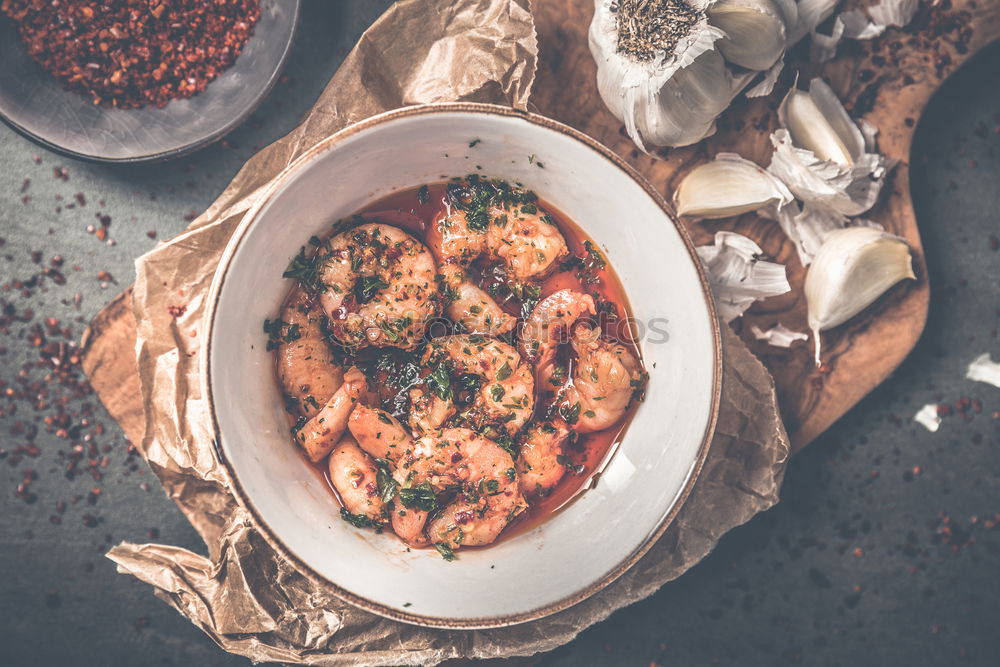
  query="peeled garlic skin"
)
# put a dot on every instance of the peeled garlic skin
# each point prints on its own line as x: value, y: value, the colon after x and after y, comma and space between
x: 727, y: 186
x: 755, y: 32
x: 853, y: 268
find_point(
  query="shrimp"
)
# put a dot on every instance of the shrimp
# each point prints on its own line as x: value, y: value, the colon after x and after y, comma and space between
x: 322, y: 432
x: 355, y: 477
x: 539, y: 468
x: 491, y: 222
x: 488, y: 496
x: 478, y: 475
x: 476, y: 381
x: 379, y: 433
x: 549, y: 326
x: 382, y: 436
x: 306, y: 367
x: 379, y: 287
x: 606, y: 379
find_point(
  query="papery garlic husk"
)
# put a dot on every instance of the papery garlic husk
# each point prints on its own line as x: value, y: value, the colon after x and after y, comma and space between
x: 809, y: 14
x: 755, y: 32
x: 728, y: 185
x: 883, y: 14
x: 984, y: 369
x: 853, y: 268
x: 738, y: 276
x: 778, y: 335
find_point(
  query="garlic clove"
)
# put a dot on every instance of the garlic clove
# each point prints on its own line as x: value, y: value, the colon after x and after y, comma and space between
x: 853, y: 268
x: 789, y: 11
x: 818, y: 122
x: 755, y: 32
x: 728, y: 185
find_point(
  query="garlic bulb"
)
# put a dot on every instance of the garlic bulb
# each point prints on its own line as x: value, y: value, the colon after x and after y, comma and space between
x: 668, y: 68
x: 853, y: 268
x: 727, y: 186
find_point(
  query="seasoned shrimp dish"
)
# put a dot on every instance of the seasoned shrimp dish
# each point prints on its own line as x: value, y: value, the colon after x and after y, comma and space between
x: 457, y: 361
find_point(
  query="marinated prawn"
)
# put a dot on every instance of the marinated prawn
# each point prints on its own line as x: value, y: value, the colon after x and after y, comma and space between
x: 502, y: 229
x: 378, y: 286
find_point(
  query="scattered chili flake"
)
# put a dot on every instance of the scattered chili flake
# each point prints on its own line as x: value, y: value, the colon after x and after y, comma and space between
x: 176, y: 311
x: 130, y: 53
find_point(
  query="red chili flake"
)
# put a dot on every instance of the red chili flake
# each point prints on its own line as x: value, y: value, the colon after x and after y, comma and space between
x: 456, y: 457
x: 89, y: 520
x: 463, y: 517
x: 130, y: 53
x: 151, y: 233
x: 104, y: 276
x: 153, y: 533
x: 57, y: 172
x: 176, y: 311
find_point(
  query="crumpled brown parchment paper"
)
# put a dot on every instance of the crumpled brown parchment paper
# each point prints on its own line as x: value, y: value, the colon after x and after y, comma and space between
x: 244, y: 595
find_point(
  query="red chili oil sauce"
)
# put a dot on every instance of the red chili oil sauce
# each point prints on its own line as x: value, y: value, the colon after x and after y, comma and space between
x: 415, y: 210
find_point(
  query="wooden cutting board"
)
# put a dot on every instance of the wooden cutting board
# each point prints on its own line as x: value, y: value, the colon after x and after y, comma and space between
x: 887, y: 81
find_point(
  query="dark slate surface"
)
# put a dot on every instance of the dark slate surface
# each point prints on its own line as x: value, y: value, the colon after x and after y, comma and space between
x: 881, y: 552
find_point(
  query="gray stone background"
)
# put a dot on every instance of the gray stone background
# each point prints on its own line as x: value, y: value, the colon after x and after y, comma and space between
x: 881, y: 552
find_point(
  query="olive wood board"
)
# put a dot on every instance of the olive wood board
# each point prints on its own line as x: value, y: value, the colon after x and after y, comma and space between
x: 888, y: 81
x: 893, y: 77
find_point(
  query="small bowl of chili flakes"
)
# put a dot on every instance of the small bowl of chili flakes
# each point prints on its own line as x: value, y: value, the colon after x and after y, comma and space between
x: 138, y: 80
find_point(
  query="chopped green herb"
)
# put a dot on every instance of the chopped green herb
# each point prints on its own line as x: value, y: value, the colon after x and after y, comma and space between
x: 504, y: 372
x: 446, y: 552
x: 423, y: 194
x: 356, y: 520
x: 367, y: 287
x: 511, y: 474
x: 497, y: 392
x: 386, y: 484
x: 439, y: 382
x: 570, y: 413
x: 421, y: 497
x: 472, y: 144
x: 306, y: 270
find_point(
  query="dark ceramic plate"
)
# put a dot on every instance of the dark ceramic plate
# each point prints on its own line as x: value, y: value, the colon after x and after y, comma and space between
x: 35, y: 104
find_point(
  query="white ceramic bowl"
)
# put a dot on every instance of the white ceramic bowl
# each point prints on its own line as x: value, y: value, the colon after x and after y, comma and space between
x: 585, y: 546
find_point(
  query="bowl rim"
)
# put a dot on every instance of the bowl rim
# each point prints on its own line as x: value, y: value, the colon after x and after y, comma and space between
x: 240, y: 493
x: 207, y: 140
